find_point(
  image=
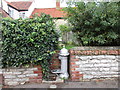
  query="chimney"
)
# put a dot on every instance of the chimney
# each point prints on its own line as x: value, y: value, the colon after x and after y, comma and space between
x: 57, y: 4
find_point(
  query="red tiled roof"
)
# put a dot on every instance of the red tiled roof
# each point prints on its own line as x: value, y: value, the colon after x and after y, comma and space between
x: 20, y: 5
x: 51, y: 11
x: 4, y: 13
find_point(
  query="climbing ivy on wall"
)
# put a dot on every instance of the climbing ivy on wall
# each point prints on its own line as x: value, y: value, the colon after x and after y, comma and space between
x: 29, y: 41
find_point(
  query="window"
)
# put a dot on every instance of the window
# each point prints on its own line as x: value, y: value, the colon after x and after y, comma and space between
x: 22, y: 14
x: 11, y: 12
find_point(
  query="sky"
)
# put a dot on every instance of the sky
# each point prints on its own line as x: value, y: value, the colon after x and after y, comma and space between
x: 45, y: 3
x: 52, y: 3
x: 48, y: 3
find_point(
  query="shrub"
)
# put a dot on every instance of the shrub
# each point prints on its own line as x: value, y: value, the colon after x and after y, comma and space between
x: 29, y: 41
x: 95, y: 23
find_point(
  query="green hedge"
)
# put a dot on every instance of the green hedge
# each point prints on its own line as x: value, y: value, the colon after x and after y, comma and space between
x: 29, y: 41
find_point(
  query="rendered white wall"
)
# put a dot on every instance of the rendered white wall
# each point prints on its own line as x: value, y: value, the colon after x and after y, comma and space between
x: 4, y: 6
x: 30, y: 10
x: 15, y: 13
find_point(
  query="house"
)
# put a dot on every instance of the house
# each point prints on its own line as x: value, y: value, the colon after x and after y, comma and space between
x: 4, y: 9
x: 55, y: 12
x: 4, y: 13
x: 18, y: 9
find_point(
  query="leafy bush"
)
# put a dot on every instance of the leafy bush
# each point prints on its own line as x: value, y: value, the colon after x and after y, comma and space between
x: 29, y: 41
x: 95, y: 23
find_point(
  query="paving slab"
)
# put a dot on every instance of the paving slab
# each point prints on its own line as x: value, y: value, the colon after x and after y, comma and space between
x: 92, y: 84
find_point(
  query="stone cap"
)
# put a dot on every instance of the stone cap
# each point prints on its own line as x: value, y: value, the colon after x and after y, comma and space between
x: 96, y: 48
x: 64, y: 52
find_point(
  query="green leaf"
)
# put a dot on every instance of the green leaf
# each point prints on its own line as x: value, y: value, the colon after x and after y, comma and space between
x: 27, y: 41
x: 31, y: 40
x: 13, y: 45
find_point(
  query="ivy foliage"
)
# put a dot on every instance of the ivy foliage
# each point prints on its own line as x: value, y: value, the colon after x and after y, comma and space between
x: 29, y: 41
x: 94, y: 23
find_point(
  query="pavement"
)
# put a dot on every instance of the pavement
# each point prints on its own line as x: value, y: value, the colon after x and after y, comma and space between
x: 91, y: 84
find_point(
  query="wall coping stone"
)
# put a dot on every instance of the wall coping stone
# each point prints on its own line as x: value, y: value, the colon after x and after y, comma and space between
x: 104, y: 50
x: 96, y: 48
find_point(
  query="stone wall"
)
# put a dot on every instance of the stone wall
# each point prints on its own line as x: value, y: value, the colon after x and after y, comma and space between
x: 85, y: 64
x: 94, y: 63
x: 15, y: 76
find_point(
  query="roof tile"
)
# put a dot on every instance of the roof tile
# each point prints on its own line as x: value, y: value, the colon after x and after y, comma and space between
x: 20, y: 5
x: 51, y: 11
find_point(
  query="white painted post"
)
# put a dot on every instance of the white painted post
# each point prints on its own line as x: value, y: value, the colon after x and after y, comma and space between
x: 63, y: 57
x: 64, y: 64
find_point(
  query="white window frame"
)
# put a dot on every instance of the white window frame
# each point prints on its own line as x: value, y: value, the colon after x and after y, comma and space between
x: 22, y: 15
x: 11, y: 12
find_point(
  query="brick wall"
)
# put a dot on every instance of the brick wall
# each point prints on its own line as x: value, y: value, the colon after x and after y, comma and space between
x: 94, y: 63
x: 14, y: 76
x: 85, y: 63
x: 55, y: 62
x: 21, y: 76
